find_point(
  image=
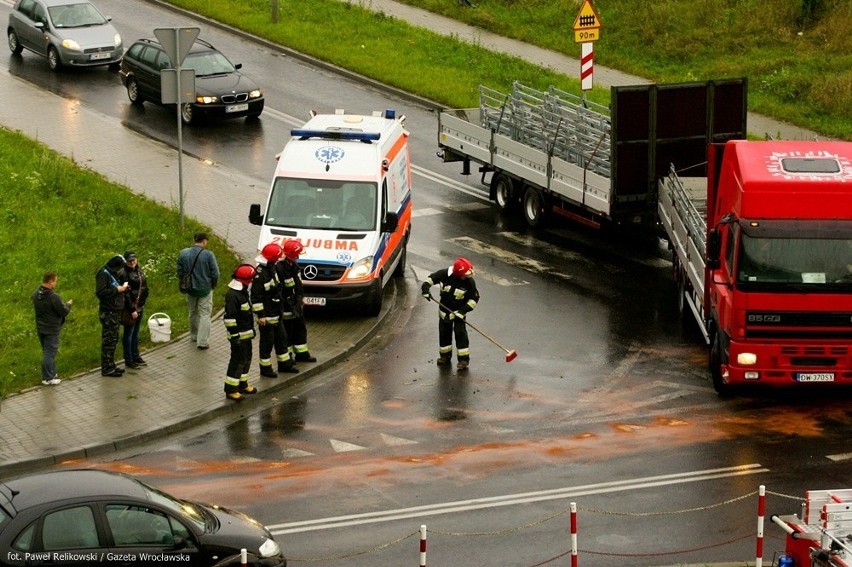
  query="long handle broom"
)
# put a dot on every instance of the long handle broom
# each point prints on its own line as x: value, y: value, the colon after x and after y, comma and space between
x: 510, y: 354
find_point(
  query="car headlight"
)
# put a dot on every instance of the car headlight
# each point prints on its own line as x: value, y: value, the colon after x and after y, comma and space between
x: 116, y: 40
x: 747, y: 359
x: 256, y: 93
x: 269, y: 548
x: 70, y: 44
x: 206, y: 99
x: 360, y: 269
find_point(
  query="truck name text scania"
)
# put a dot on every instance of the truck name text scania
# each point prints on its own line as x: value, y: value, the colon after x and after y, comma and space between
x: 342, y: 187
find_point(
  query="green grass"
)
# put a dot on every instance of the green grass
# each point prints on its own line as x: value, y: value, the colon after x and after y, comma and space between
x: 57, y: 216
x: 799, y: 67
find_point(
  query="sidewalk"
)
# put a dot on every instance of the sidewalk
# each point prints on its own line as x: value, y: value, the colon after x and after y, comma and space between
x: 181, y: 386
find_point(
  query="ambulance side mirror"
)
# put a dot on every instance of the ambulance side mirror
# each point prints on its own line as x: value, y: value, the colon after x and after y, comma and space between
x: 255, y: 217
x: 391, y: 222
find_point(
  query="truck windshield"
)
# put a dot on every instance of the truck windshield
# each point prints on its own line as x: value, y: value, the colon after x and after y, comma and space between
x: 322, y: 204
x: 779, y: 262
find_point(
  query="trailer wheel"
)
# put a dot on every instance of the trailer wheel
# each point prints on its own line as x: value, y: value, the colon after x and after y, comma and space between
x: 716, y: 358
x: 503, y: 191
x: 535, y: 209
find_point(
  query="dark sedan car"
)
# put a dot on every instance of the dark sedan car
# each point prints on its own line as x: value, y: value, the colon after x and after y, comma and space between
x: 221, y: 90
x: 92, y: 517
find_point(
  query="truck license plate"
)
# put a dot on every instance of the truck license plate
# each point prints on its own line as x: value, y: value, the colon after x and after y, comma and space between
x: 236, y: 107
x: 314, y: 301
x: 815, y: 376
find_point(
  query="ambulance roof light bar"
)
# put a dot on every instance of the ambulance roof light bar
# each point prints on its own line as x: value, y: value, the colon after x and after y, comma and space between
x: 365, y: 137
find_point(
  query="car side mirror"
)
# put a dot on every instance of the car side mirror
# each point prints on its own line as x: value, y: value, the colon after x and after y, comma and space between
x: 39, y: 25
x: 714, y: 248
x: 179, y: 543
x: 255, y: 216
x: 391, y: 222
x: 238, y: 66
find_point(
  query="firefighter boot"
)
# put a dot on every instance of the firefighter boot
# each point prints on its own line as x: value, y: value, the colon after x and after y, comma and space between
x: 463, y: 364
x: 246, y: 389
x: 443, y: 359
x: 287, y: 367
x: 268, y: 372
x: 236, y: 396
x: 305, y: 357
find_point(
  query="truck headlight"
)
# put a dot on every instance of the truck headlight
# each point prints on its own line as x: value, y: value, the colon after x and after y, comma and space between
x: 746, y: 359
x: 269, y: 548
x: 360, y: 269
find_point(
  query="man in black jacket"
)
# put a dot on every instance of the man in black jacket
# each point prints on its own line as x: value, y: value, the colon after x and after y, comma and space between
x: 110, y: 288
x: 50, y: 313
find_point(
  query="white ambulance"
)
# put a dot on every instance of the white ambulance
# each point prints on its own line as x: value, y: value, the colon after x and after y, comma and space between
x: 342, y: 187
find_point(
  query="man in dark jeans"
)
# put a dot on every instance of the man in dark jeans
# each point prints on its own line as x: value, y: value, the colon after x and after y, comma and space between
x: 110, y: 290
x: 50, y: 313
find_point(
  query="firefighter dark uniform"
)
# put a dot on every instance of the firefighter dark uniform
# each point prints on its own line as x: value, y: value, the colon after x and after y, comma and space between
x: 239, y: 325
x: 459, y: 297
x: 292, y: 297
x: 110, y: 292
x: 266, y: 305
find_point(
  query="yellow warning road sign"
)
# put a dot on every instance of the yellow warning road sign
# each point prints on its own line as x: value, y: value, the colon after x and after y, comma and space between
x: 587, y: 25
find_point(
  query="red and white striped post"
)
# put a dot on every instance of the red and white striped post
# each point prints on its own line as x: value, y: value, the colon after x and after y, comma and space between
x: 423, y: 545
x: 574, y: 557
x: 587, y: 66
x: 761, y: 512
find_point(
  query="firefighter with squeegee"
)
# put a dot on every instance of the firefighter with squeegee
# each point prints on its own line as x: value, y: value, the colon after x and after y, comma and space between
x: 458, y: 298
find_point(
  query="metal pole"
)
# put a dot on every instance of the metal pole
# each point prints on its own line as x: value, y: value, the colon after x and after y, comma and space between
x: 274, y: 11
x: 179, y: 131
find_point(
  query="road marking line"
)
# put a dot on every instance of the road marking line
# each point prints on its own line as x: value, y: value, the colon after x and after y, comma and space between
x: 514, y: 499
x: 840, y: 457
x: 295, y: 453
x: 343, y: 446
x: 425, y: 212
x: 395, y: 441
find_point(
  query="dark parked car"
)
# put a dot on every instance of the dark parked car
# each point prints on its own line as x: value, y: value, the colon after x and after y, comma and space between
x: 92, y: 517
x: 66, y: 32
x: 221, y: 90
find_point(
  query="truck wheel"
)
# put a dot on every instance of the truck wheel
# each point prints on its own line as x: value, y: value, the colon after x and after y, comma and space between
x: 535, y: 208
x: 716, y: 359
x: 504, y: 192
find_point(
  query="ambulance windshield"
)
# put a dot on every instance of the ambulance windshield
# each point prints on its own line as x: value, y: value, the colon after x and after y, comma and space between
x: 817, y: 256
x: 322, y: 204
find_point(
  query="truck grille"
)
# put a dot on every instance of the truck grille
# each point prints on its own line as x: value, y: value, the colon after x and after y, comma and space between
x: 798, y: 325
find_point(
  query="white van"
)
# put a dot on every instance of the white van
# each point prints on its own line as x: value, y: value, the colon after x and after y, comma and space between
x: 342, y: 187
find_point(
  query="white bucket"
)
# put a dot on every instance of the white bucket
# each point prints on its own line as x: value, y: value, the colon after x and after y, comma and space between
x: 160, y: 326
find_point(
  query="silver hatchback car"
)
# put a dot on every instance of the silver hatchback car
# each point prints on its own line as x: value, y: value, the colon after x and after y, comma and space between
x: 66, y: 32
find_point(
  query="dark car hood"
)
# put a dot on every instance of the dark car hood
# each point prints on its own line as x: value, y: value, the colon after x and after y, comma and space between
x: 236, y: 531
x: 219, y: 85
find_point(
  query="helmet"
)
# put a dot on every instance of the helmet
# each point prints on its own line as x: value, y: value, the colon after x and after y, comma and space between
x: 244, y: 273
x: 293, y: 249
x: 462, y: 268
x: 271, y: 252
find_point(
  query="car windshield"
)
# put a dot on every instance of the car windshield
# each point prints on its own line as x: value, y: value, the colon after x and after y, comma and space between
x: 780, y: 262
x: 208, y: 63
x: 76, y: 16
x: 316, y: 203
x: 189, y: 510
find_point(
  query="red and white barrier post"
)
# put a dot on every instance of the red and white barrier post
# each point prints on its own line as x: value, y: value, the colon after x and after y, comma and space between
x: 574, y: 558
x: 761, y: 512
x: 423, y: 545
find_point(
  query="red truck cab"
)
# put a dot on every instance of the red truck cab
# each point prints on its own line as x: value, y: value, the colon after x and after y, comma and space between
x: 778, y: 293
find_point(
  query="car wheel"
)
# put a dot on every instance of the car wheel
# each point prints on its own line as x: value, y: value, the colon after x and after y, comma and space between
x: 375, y: 305
x: 53, y: 60
x: 133, y: 92
x: 399, y: 271
x: 15, y: 45
x: 187, y: 113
